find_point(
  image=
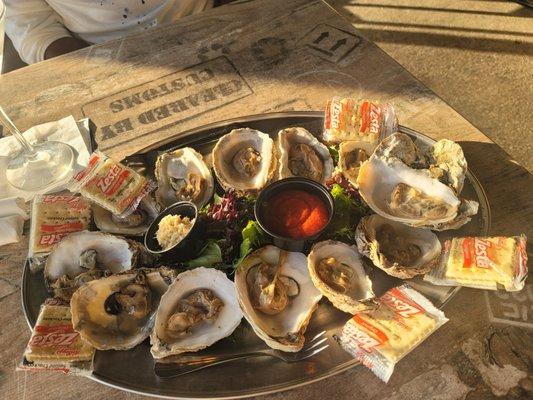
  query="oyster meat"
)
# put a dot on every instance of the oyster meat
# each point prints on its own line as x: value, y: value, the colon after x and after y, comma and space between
x: 400, y: 183
x: 182, y: 175
x: 399, y: 250
x: 277, y: 296
x: 84, y: 256
x: 244, y: 160
x: 118, y: 312
x: 134, y: 224
x: 351, y: 155
x: 337, y: 271
x: 301, y: 154
x: 199, y: 309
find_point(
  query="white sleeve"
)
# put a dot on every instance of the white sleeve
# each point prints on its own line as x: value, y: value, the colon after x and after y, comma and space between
x: 32, y: 25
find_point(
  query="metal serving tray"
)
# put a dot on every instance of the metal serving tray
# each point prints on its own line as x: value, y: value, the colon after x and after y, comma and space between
x: 132, y: 370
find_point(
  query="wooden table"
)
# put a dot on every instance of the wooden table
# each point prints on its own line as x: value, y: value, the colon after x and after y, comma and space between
x: 251, y: 57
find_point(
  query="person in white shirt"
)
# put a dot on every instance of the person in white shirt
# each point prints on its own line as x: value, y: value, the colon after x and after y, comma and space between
x: 42, y: 29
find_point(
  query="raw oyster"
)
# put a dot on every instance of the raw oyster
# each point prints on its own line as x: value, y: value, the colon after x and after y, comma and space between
x: 351, y: 155
x: 118, y: 312
x: 244, y: 160
x: 182, y: 175
x: 337, y: 271
x: 411, y: 196
x: 444, y: 160
x: 277, y: 296
x: 399, y: 250
x: 198, y: 309
x: 134, y: 224
x: 301, y: 154
x: 84, y: 256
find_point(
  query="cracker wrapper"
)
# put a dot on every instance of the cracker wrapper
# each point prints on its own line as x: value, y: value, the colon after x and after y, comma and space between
x: 54, y: 217
x: 112, y: 185
x: 381, y: 338
x: 54, y: 345
x: 483, y: 262
x: 359, y: 120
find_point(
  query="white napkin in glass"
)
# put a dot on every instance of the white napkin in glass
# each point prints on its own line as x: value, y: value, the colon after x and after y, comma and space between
x: 66, y: 130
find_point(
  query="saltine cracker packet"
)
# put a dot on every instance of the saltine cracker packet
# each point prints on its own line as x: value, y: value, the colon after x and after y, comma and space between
x: 382, y: 337
x: 55, y: 345
x: 112, y: 185
x: 53, y: 217
x: 482, y: 262
x: 360, y: 120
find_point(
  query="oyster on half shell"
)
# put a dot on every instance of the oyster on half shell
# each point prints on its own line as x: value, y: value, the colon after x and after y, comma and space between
x: 352, y: 154
x: 118, y: 312
x: 337, y: 271
x: 399, y: 250
x: 182, y: 175
x: 134, y: 224
x: 398, y: 183
x: 276, y: 296
x: 199, y: 308
x: 84, y: 256
x: 244, y: 160
x: 301, y: 154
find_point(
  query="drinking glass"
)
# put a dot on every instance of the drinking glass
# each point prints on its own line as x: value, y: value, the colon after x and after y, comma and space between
x: 37, y: 167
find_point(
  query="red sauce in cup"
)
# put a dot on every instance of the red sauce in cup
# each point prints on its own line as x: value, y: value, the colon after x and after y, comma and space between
x: 296, y: 214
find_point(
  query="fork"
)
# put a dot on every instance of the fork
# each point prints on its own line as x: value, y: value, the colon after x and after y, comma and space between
x: 188, y: 364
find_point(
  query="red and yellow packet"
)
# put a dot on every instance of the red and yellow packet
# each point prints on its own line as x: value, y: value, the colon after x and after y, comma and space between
x: 482, y: 262
x: 112, y: 185
x: 359, y: 120
x: 381, y: 338
x: 55, y: 345
x: 53, y: 217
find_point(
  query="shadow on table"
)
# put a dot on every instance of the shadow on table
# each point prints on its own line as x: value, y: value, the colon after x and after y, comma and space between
x: 490, y: 163
x: 395, y: 31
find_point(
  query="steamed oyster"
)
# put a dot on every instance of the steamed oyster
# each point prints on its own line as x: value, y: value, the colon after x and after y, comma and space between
x: 399, y: 250
x: 182, y: 175
x: 244, y: 160
x: 351, y: 155
x: 118, y: 312
x: 84, y: 256
x: 134, y: 224
x: 337, y: 271
x: 400, y: 183
x: 277, y: 296
x: 198, y: 309
x: 301, y: 154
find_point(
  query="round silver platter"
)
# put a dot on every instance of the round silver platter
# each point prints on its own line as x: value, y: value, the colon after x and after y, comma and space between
x: 132, y: 370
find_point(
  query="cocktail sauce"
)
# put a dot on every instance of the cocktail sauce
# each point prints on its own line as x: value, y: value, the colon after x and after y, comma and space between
x: 296, y: 214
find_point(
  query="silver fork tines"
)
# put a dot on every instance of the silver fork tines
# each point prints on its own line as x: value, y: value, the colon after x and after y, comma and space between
x: 188, y: 364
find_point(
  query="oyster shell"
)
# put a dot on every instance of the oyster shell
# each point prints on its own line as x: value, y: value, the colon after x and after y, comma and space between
x: 447, y: 163
x: 337, y: 271
x: 444, y: 160
x: 276, y: 296
x: 399, y: 250
x: 351, y: 155
x: 411, y: 196
x: 182, y: 175
x: 198, y: 309
x: 134, y: 224
x: 301, y: 154
x: 84, y: 256
x: 117, y: 312
x: 244, y: 160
